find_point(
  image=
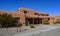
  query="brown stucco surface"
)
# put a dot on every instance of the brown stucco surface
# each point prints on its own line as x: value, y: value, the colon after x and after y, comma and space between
x: 30, y: 14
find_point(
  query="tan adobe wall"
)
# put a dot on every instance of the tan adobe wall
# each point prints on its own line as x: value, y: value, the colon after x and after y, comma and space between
x: 22, y: 19
x: 41, y: 14
x: 29, y: 12
x: 16, y: 15
x: 52, y: 20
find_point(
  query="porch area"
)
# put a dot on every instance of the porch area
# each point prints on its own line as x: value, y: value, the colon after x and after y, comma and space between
x: 35, y: 20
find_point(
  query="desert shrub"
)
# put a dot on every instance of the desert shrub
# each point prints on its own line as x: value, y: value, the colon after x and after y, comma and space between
x: 32, y: 26
x: 54, y: 22
x: 23, y: 23
x: 45, y: 21
x: 58, y: 21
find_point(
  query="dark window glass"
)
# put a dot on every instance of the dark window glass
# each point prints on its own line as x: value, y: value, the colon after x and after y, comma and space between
x: 17, y: 19
x: 35, y: 13
x: 25, y: 12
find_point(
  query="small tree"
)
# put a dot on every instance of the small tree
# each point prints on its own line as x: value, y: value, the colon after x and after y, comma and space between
x: 7, y: 20
x: 45, y: 21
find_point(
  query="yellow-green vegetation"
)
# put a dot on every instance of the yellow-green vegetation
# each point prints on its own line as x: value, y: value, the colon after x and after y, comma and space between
x: 58, y: 21
x: 32, y: 26
x: 45, y: 21
x: 24, y: 23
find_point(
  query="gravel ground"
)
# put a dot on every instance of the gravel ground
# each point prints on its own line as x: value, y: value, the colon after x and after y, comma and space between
x: 13, y: 31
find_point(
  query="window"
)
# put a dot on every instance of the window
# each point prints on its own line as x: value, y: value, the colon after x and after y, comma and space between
x: 25, y: 12
x: 35, y: 13
x: 17, y: 19
x: 47, y: 14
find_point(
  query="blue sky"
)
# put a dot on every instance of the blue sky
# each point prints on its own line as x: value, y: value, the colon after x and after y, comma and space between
x: 51, y: 7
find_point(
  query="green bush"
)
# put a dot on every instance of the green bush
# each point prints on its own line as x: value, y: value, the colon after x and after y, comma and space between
x: 7, y: 20
x: 32, y: 26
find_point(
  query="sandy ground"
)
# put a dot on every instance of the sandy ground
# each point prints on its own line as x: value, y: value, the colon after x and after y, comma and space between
x: 39, y: 30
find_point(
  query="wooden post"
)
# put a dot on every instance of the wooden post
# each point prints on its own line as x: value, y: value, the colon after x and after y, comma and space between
x: 33, y: 21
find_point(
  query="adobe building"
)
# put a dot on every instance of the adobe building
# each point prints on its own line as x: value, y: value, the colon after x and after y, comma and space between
x: 28, y: 16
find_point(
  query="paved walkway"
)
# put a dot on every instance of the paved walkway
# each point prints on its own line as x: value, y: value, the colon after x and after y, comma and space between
x: 55, y: 32
x: 46, y: 30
